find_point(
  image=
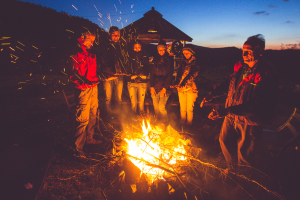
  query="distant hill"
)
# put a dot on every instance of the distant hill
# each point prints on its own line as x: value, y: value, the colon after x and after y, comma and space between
x: 34, y: 29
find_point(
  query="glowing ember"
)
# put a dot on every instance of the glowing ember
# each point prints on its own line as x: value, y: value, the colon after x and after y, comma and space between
x: 155, y: 151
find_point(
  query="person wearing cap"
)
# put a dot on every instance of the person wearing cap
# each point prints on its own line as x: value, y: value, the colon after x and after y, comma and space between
x: 115, y: 64
x: 83, y: 74
x: 139, y: 70
x: 186, y: 85
x: 250, y: 104
x: 161, y: 72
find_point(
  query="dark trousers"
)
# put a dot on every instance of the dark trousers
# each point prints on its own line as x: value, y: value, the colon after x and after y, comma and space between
x: 239, y: 138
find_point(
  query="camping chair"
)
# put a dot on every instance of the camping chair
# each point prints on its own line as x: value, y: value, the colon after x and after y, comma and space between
x: 292, y: 129
x: 70, y: 101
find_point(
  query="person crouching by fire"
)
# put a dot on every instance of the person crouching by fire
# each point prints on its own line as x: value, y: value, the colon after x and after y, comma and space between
x: 84, y: 77
x: 186, y: 85
x: 115, y: 65
x: 161, y: 72
x: 137, y: 86
x: 250, y: 103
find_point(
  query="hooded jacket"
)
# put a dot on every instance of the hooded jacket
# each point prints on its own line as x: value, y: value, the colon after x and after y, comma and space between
x: 161, y: 72
x: 251, y: 99
x: 83, y: 67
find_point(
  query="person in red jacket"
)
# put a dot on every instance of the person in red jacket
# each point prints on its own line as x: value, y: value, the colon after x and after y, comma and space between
x: 84, y: 77
x: 250, y: 103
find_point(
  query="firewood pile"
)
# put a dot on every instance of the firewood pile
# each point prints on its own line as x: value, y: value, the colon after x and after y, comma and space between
x: 160, y: 163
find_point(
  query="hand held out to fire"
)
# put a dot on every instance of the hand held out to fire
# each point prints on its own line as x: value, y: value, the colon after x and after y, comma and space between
x: 214, y: 115
x: 206, y: 99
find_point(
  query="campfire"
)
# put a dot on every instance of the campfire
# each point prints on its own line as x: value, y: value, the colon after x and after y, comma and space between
x: 160, y: 162
x: 155, y: 151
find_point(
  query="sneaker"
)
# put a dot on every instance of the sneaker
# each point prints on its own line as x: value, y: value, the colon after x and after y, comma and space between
x: 93, y: 141
x: 80, y: 154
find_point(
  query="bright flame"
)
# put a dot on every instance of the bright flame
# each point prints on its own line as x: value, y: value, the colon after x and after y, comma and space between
x: 156, y: 147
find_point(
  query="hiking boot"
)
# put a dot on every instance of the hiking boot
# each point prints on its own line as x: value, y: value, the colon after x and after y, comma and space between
x: 80, y: 154
x: 93, y: 141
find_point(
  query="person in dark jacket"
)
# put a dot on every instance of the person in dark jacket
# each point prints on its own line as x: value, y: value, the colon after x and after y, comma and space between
x: 115, y: 64
x: 139, y: 70
x: 250, y: 103
x: 161, y: 72
x: 83, y: 75
x: 186, y: 85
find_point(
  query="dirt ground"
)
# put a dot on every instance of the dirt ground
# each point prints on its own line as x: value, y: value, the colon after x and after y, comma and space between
x: 37, y: 138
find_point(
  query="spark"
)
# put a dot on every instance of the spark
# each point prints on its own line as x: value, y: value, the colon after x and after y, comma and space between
x: 4, y: 38
x: 116, y: 8
x: 69, y: 31
x: 12, y: 61
x: 20, y: 88
x: 5, y: 43
x: 132, y: 11
x: 126, y: 20
x: 33, y: 61
x: 120, y: 12
x: 108, y: 17
x: 12, y: 48
x: 101, y: 21
x: 21, y: 82
x: 42, y: 98
x: 64, y: 73
x: 12, y: 56
x: 120, y: 1
x: 132, y: 5
x: 95, y: 7
x: 30, y: 74
x: 34, y: 47
x: 106, y: 29
x: 122, y: 24
x: 74, y: 7
x: 100, y: 15
x: 21, y: 43
x: 19, y: 48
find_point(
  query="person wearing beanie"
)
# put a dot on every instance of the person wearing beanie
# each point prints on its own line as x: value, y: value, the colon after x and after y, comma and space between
x: 115, y: 64
x: 186, y: 85
x: 161, y: 72
x: 139, y: 70
x: 251, y: 102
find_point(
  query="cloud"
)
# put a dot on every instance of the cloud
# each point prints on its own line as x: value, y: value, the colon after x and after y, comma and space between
x: 289, y: 22
x: 261, y: 13
x: 272, y: 6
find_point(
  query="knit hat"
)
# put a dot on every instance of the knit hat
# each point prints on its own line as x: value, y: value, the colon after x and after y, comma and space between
x: 161, y: 44
x: 188, y: 48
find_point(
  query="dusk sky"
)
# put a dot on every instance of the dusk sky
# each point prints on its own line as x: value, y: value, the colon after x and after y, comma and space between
x: 214, y: 23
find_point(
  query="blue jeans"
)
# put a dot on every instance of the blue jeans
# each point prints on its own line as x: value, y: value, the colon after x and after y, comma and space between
x: 159, y: 104
x: 187, y: 100
x: 86, y: 115
x: 115, y: 85
x: 137, y: 92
